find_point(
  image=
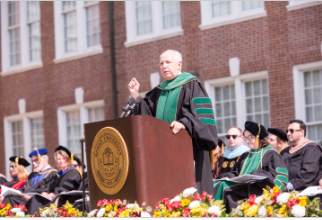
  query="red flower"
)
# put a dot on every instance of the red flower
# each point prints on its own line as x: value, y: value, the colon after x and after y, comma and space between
x: 185, y: 212
x: 204, y: 196
x: 100, y: 203
x: 205, y: 215
x: 105, y: 202
x: 196, y: 197
x: 158, y: 206
x: 213, y: 215
x: 176, y: 205
x: 292, y: 203
x: 2, y: 205
x: 165, y: 201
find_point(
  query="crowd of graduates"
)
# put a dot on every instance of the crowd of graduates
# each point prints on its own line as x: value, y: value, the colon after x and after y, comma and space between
x: 45, y: 185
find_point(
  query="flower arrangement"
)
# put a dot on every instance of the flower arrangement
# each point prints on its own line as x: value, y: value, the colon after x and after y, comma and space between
x: 274, y: 203
x: 117, y: 208
x: 190, y: 204
x: 16, y: 211
x: 66, y: 211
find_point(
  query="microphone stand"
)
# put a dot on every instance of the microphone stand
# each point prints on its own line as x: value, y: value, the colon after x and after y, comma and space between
x: 129, y: 108
x: 83, y: 181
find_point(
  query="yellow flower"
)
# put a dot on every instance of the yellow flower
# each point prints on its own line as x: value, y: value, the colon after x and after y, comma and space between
x: 177, y: 214
x: 245, y: 211
x: 236, y: 216
x: 125, y: 214
x: 269, y: 210
x: 245, y: 206
x: 185, y: 202
x: 303, y: 198
x: 167, y: 215
x: 157, y: 214
x: 72, y: 210
x: 276, y: 189
x: 108, y: 207
x: 302, y: 203
x: 115, y: 208
x: 252, y: 211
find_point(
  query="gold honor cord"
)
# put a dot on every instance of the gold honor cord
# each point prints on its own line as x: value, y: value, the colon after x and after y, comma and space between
x: 39, y: 158
x: 257, y: 137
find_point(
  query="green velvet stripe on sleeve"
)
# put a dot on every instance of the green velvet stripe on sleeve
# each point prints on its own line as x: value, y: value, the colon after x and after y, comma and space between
x: 205, y: 111
x: 201, y: 100
x: 282, y: 178
x: 208, y: 121
x: 282, y: 170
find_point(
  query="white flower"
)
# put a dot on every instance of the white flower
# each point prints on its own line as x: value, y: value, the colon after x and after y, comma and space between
x: 101, y: 212
x: 14, y: 210
x: 268, y: 202
x: 44, y: 213
x: 283, y: 198
x: 262, y: 211
x: 298, y: 211
x: 215, y: 210
x: 145, y: 214
x: 237, y: 209
x: 189, y: 192
x: 92, y: 213
x: 194, y: 204
x: 20, y: 214
x: 175, y: 199
x: 130, y: 205
x: 258, y: 200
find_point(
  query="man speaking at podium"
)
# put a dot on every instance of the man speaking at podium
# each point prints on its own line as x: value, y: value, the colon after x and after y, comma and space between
x: 182, y: 101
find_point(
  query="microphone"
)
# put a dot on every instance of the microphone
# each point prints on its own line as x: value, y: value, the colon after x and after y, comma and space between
x: 129, y: 103
x: 130, y: 110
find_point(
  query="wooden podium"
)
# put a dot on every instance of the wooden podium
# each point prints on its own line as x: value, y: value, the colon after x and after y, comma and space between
x: 160, y: 163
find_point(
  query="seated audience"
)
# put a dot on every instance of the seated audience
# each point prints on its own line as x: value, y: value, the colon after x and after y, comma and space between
x: 68, y: 179
x: 236, y: 148
x: 302, y: 158
x: 277, y: 138
x: 262, y: 160
x: 37, y: 181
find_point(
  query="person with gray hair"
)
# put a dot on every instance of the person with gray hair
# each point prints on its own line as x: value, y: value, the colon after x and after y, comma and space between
x: 182, y: 101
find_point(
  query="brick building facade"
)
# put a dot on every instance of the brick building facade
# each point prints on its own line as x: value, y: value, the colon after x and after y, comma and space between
x: 260, y: 62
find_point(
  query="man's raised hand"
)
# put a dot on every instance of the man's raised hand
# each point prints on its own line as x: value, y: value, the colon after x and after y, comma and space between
x: 177, y: 126
x: 134, y: 87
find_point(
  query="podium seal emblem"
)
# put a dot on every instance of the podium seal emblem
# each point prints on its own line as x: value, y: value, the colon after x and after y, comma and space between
x: 110, y: 160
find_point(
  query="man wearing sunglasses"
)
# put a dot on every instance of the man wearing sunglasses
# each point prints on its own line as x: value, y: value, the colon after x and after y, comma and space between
x: 302, y: 157
x: 236, y: 146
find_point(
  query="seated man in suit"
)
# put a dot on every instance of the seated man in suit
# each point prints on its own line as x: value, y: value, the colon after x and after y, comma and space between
x: 236, y: 146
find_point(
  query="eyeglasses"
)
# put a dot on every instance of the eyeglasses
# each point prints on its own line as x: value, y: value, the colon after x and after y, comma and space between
x: 291, y: 130
x: 12, y: 166
x: 234, y: 136
x: 35, y: 160
x: 249, y: 138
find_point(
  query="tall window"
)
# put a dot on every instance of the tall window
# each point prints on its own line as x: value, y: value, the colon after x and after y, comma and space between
x: 73, y: 131
x: 171, y: 14
x: 14, y: 32
x: 70, y: 25
x: 33, y: 19
x: 96, y: 114
x: 143, y: 17
x: 313, y: 103
x: 93, y: 29
x: 37, y: 133
x: 17, y: 138
x: 257, y: 102
x: 220, y: 8
x: 250, y: 5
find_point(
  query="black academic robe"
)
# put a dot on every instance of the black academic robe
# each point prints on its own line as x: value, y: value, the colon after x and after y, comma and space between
x: 223, y: 165
x: 3, y: 180
x: 303, y: 166
x: 41, y: 186
x: 204, y: 136
x: 272, y: 162
x: 67, y: 182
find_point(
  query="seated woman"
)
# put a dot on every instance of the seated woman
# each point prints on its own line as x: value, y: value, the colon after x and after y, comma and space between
x: 277, y: 138
x: 262, y: 160
x: 68, y: 180
x: 18, y: 172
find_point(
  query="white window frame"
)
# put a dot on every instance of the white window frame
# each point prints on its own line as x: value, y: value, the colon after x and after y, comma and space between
x: 25, y: 63
x: 82, y: 49
x: 239, y: 82
x: 84, y: 118
x: 298, y: 87
x: 294, y: 5
x: 25, y: 118
x: 158, y: 32
x: 236, y: 15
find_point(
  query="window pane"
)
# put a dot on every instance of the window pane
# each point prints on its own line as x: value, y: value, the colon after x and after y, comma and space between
x: 93, y: 25
x: 218, y: 93
x: 171, y: 14
x: 37, y: 133
x: 69, y: 5
x: 307, y: 79
x: 17, y: 138
x: 33, y: 11
x: 96, y: 114
x: 249, y: 5
x: 309, y: 114
x: 143, y: 17
x: 248, y: 87
x: 14, y: 35
x: 73, y: 131
x: 13, y: 13
x: 70, y: 32
x: 220, y: 8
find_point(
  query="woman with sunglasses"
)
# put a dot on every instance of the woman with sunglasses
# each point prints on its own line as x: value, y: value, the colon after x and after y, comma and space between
x: 262, y: 160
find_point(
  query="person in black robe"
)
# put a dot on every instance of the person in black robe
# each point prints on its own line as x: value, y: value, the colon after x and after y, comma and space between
x: 182, y: 101
x: 3, y: 179
x: 302, y: 158
x: 37, y: 182
x: 67, y: 180
x: 261, y: 160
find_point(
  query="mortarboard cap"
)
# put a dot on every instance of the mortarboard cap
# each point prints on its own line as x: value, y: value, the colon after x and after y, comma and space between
x: 79, y: 161
x: 278, y: 133
x: 19, y: 160
x: 66, y: 150
x: 258, y: 130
